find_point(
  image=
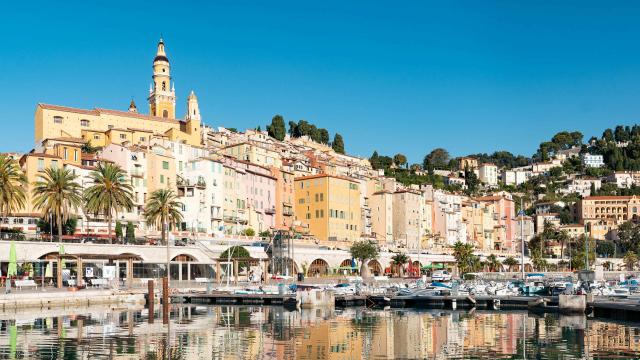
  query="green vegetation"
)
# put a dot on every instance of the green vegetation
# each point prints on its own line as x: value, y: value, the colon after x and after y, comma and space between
x: 12, y: 186
x: 304, y: 128
x: 118, y: 230
x: 364, y: 250
x: 163, y: 208
x: 437, y: 159
x: 277, y: 128
x: 465, y: 259
x: 130, y: 237
x: 510, y: 262
x: 249, y: 232
x: 109, y: 193
x: 57, y: 194
x: 503, y: 159
x: 338, y: 144
x: 399, y: 259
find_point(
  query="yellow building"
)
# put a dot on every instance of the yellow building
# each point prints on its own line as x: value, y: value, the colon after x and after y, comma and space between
x: 247, y: 151
x: 102, y: 126
x: 330, y: 207
x: 161, y: 169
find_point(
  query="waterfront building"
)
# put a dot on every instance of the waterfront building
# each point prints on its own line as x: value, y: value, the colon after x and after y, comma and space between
x: 504, y: 215
x: 330, y: 206
x: 407, y: 206
x: 382, y: 216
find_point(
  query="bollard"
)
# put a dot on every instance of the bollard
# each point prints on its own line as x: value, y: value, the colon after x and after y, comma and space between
x: 151, y: 300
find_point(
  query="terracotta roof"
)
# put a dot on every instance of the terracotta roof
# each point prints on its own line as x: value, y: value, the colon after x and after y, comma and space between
x: 98, y: 111
x: 608, y: 198
x: 43, y: 155
x: 309, y: 177
x: 489, y: 198
x: 68, y: 139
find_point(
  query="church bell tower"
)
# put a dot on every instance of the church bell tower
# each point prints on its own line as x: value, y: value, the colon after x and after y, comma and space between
x: 162, y: 94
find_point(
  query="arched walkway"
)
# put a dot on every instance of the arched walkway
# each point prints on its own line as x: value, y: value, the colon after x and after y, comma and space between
x: 183, y: 258
x: 283, y: 266
x: 374, y: 267
x: 318, y: 267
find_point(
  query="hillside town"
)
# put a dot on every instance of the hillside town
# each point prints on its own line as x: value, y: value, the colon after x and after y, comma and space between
x: 256, y: 183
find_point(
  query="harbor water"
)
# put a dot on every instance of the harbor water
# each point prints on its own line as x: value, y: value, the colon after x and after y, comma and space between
x: 240, y: 332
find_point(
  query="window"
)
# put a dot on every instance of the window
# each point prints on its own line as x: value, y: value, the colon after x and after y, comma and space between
x: 165, y: 165
x: 65, y: 154
x: 40, y: 164
x: 165, y: 114
x: 317, y: 214
x: 321, y: 196
x: 164, y: 86
x: 123, y: 136
x: 308, y: 215
x: 179, y: 165
x: 110, y: 127
x: 75, y: 155
x: 142, y: 138
x: 317, y: 197
x: 57, y: 119
x: 96, y: 137
x: 301, y: 201
x: 84, y: 122
x: 54, y: 164
x: 162, y: 179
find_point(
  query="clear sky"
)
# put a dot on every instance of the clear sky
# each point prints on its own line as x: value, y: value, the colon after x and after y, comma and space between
x: 396, y: 76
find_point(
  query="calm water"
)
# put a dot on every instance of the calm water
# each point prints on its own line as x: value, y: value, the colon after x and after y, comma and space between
x: 274, y: 333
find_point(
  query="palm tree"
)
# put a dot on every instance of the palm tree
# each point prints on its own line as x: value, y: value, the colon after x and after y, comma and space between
x: 493, y: 263
x: 109, y: 193
x: 12, y: 185
x: 56, y: 193
x: 630, y: 259
x: 399, y: 260
x: 163, y: 208
x: 562, y: 237
x: 510, y: 262
x: 464, y: 257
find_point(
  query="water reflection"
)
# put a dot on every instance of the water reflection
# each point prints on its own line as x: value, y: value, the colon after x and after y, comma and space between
x: 201, y: 332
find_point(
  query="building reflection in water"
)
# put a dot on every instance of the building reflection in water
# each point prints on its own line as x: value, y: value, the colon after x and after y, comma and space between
x: 230, y: 332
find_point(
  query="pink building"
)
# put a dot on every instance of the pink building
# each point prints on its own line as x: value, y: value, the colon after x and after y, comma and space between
x: 505, y: 217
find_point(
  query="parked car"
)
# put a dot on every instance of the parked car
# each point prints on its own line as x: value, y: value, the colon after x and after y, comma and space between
x: 441, y: 275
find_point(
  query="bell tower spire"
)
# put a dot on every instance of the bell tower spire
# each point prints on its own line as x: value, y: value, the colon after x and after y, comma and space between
x: 162, y: 98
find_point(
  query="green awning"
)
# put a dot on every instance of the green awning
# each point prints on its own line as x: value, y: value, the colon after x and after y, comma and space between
x: 433, y: 266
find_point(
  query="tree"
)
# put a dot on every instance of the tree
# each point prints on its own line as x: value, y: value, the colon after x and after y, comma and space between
x: 12, y: 184
x: 472, y: 181
x: 510, y: 262
x: 118, y: 230
x: 399, y: 259
x: 562, y: 237
x: 578, y: 253
x: 249, y: 232
x: 399, y: 160
x: 324, y: 136
x: 338, y: 144
x: 56, y: 194
x: 628, y: 237
x: 293, y: 127
x: 364, y: 250
x: 464, y: 257
x: 68, y: 228
x: 605, y: 248
x: 630, y: 259
x: 87, y: 148
x: 437, y: 159
x: 493, y: 263
x: 163, y: 208
x: 237, y: 252
x: 109, y: 193
x: 277, y: 129
x: 130, y: 237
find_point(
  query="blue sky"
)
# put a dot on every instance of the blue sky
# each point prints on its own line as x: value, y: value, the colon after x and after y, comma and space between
x: 395, y: 76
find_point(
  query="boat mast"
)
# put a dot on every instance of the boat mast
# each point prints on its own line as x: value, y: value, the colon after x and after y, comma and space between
x: 522, y: 239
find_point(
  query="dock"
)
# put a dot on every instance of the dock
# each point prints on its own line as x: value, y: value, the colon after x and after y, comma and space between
x: 233, y: 299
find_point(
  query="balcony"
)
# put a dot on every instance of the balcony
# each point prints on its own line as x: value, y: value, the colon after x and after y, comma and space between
x: 137, y: 173
x: 287, y: 211
x: 270, y: 211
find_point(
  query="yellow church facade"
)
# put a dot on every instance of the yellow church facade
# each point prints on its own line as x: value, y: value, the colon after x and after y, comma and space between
x: 101, y: 127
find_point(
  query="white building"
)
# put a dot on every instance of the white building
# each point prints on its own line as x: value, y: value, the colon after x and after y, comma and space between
x: 594, y: 161
x: 488, y: 174
x: 581, y: 186
x: 516, y: 177
x: 625, y: 179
